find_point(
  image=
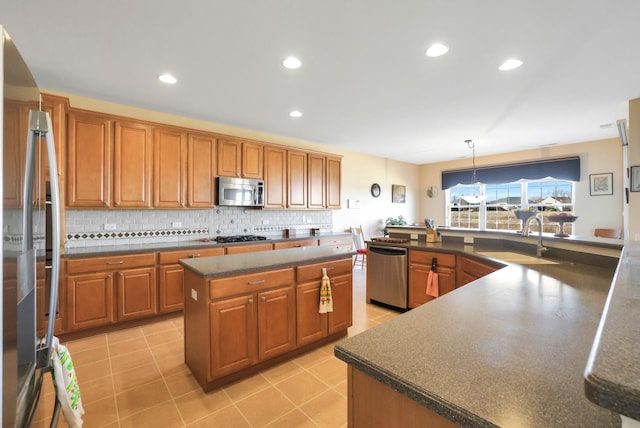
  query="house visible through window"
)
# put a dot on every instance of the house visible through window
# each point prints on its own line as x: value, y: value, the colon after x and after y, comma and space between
x: 497, y: 211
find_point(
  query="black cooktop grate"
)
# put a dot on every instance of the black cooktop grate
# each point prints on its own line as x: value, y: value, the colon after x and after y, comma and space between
x: 240, y: 238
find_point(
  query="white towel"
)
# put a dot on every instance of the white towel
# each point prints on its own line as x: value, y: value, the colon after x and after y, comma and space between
x: 326, y: 301
x: 66, y: 384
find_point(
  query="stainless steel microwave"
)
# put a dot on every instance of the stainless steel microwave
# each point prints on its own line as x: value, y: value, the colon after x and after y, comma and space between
x: 240, y: 192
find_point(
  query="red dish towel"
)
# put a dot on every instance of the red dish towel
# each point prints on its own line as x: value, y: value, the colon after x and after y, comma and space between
x: 432, y: 284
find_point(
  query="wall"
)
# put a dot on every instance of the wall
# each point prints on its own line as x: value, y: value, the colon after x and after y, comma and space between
x: 599, y: 156
x: 634, y: 160
x: 359, y: 172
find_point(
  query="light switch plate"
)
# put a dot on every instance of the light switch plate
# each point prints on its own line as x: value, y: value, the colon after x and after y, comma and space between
x: 109, y: 226
x: 194, y: 294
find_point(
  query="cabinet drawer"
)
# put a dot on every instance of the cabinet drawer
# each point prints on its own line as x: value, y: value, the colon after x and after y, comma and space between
x: 94, y: 264
x: 425, y: 257
x: 249, y: 283
x: 476, y: 269
x: 342, y: 242
x: 313, y: 272
x: 250, y: 248
x: 172, y: 257
x: 295, y: 244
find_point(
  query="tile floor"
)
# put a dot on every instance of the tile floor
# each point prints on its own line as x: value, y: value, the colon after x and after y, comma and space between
x: 137, y: 378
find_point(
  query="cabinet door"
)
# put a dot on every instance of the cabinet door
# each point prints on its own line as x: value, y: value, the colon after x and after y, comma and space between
x: 132, y: 165
x: 170, y: 288
x: 342, y: 294
x: 334, y: 182
x: 89, y: 300
x: 136, y: 293
x: 311, y: 325
x: 229, y: 158
x: 57, y: 108
x: 169, y: 168
x: 276, y: 322
x: 13, y: 152
x: 296, y: 179
x: 275, y: 177
x: 89, y: 160
x: 250, y: 248
x: 317, y: 182
x: 201, y: 171
x: 234, y: 335
x: 252, y: 160
x: 418, y: 275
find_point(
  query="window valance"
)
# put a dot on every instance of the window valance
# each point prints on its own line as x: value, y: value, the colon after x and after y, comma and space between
x: 561, y: 169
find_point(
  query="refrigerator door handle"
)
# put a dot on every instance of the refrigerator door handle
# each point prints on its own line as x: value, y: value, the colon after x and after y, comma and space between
x: 40, y: 124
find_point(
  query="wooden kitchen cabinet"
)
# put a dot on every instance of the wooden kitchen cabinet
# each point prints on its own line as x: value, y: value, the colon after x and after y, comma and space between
x: 419, y: 267
x: 89, y: 149
x: 317, y: 182
x: 103, y: 290
x: 237, y: 158
x: 201, y: 171
x: 295, y: 244
x: 171, y: 276
x: 132, y: 163
x: 339, y: 242
x: 275, y: 177
x: 334, y: 182
x: 250, y: 248
x: 312, y: 325
x: 471, y: 269
x: 169, y: 168
x: 253, y: 326
x: 297, y: 179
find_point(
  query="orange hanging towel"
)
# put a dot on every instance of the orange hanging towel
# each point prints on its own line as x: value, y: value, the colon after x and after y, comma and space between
x: 432, y: 284
x: 326, y: 301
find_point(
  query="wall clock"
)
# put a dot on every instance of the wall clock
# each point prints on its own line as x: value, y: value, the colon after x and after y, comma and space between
x: 375, y: 190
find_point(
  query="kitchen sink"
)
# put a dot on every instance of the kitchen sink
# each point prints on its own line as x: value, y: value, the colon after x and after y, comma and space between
x: 523, y: 259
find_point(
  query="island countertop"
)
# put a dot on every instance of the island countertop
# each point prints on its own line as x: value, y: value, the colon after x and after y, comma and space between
x: 235, y: 264
x: 506, y: 350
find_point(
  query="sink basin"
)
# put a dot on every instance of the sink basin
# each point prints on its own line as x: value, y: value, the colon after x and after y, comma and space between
x: 523, y: 259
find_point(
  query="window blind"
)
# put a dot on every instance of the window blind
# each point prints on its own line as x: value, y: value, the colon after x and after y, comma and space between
x: 561, y: 169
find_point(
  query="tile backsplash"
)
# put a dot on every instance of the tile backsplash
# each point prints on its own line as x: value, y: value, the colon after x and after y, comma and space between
x: 118, y: 227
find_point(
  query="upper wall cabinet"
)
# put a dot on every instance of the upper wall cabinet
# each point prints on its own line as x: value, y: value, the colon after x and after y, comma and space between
x: 297, y: 179
x: 275, y: 177
x: 317, y: 182
x: 238, y: 158
x: 201, y: 171
x: 89, y: 160
x: 169, y: 168
x: 132, y: 163
x: 334, y: 182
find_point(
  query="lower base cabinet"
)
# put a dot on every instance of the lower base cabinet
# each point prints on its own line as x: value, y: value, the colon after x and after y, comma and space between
x: 136, y: 293
x: 89, y: 300
x: 420, y: 264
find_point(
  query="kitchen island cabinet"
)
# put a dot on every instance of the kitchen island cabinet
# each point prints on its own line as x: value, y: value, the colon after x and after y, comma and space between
x: 241, y: 314
x: 420, y: 264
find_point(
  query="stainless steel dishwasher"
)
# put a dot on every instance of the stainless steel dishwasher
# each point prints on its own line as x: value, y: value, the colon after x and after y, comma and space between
x: 387, y: 275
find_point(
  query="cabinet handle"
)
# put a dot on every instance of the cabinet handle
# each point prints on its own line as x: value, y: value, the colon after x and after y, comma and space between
x: 109, y: 276
x: 263, y: 298
x: 182, y: 204
x: 193, y: 256
x: 117, y: 204
x: 115, y: 263
x: 250, y: 301
x: 190, y: 205
x: 330, y: 268
x: 260, y: 281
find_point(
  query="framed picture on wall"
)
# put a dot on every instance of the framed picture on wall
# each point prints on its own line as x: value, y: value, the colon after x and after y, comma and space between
x: 635, y: 178
x: 398, y: 193
x: 601, y: 184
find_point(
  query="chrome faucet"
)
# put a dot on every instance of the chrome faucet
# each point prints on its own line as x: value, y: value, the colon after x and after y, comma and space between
x: 525, y: 232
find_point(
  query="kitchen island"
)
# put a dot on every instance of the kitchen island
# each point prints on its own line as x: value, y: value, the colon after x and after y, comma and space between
x: 508, y: 349
x: 245, y: 312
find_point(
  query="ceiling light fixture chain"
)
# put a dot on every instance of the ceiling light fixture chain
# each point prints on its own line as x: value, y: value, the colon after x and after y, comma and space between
x: 472, y: 146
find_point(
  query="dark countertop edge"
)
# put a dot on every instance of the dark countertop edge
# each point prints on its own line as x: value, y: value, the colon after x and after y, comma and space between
x: 615, y: 396
x: 106, y: 250
x: 270, y: 266
x: 431, y: 402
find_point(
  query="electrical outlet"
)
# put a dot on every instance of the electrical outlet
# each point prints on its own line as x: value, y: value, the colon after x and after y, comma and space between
x: 109, y: 226
x: 468, y: 239
x: 176, y: 224
x: 414, y: 236
x: 194, y: 294
x: 265, y: 221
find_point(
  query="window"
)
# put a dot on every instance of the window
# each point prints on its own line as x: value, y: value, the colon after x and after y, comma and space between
x: 496, y: 212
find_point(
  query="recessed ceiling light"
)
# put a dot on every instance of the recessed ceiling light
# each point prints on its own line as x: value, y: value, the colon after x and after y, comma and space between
x: 510, y: 64
x: 437, y: 49
x: 295, y: 113
x: 167, y: 78
x: 291, y: 62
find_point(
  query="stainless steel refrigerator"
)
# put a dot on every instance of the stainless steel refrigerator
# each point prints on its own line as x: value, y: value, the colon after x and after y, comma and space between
x: 31, y: 237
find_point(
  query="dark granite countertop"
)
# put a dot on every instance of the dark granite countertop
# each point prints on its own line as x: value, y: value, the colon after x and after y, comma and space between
x: 506, y: 350
x: 109, y: 250
x: 236, y: 264
x: 612, y: 376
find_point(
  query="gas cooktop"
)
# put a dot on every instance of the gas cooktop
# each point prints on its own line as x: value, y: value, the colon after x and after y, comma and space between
x: 240, y: 238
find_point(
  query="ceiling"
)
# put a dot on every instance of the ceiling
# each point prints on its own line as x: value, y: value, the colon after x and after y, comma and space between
x: 365, y: 83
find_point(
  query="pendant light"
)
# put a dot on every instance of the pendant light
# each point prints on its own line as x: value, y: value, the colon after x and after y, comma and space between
x: 475, y: 198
